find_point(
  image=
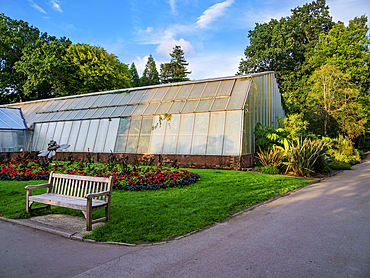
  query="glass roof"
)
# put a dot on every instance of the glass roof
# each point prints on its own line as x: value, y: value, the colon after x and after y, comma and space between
x: 222, y: 94
x: 11, y: 118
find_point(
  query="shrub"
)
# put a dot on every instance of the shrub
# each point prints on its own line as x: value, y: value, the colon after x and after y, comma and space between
x: 343, y: 150
x: 340, y: 165
x: 271, y: 157
x: 303, y: 155
x: 267, y: 169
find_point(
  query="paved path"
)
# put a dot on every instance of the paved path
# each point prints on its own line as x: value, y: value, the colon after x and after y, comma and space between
x: 322, y: 230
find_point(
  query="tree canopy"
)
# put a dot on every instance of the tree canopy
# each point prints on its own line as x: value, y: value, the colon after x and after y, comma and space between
x: 150, y: 74
x: 135, y: 79
x: 175, y: 70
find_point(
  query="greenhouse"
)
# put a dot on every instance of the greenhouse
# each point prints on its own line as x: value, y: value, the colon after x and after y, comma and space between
x: 14, y: 133
x: 211, y: 121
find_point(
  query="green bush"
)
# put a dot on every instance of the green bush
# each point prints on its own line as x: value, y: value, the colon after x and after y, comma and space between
x: 343, y: 150
x: 271, y: 157
x: 267, y: 169
x: 340, y: 165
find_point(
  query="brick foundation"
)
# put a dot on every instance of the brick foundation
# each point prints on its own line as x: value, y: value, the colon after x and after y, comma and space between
x: 184, y: 161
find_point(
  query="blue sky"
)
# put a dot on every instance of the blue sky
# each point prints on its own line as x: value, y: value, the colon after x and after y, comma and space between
x: 213, y: 34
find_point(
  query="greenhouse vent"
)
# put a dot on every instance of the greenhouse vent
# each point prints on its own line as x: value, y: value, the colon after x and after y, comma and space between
x: 203, y: 124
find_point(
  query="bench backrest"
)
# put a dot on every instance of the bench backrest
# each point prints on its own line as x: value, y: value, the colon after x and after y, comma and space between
x: 79, y: 186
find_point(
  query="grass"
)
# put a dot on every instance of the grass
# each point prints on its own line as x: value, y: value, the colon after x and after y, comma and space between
x: 149, y: 216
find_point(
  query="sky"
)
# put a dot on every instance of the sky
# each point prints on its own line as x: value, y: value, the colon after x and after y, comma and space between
x: 213, y: 34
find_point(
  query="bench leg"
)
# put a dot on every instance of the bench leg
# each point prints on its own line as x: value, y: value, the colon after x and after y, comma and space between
x: 107, y: 213
x: 89, y: 215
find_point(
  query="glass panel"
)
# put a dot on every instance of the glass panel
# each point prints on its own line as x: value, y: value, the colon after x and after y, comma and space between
x: 99, y: 112
x: 176, y: 107
x: 156, y: 144
x: 73, y: 134
x: 148, y: 96
x: 128, y: 110
x: 81, y: 139
x: 184, y: 92
x: 101, y: 135
x: 126, y: 97
x: 80, y: 114
x: 51, y: 106
x: 200, y: 133
x: 65, y: 134
x: 108, y: 112
x: 45, y: 106
x: 58, y: 132
x: 48, y: 116
x: 118, y: 111
x: 99, y: 101
x: 211, y: 89
x: 137, y: 97
x: 238, y: 94
x: 91, y: 135
x: 63, y: 115
x: 140, y: 109
x: 232, y: 133
x: 89, y: 113
x: 123, y: 129
x: 171, y: 93
x: 81, y: 103
x: 49, y: 135
x: 216, y: 133
x: 56, y: 116
x: 185, y: 131
x: 170, y: 139
x: 69, y: 102
x: 151, y: 109
x: 190, y: 106
x: 159, y: 94
x: 72, y: 115
x: 163, y: 108
x: 146, y: 128
x: 225, y: 88
x: 133, y: 136
x: 108, y: 100
x: 91, y: 101
x: 197, y: 91
x: 204, y: 105
x: 36, y: 136
x: 219, y: 104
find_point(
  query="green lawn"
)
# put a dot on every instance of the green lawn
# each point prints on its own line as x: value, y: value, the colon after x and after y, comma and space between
x: 147, y: 216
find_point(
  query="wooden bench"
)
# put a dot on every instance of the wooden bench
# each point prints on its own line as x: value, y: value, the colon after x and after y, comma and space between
x: 84, y: 193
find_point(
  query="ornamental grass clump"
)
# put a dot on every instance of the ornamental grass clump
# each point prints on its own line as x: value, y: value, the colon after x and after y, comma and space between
x: 304, y: 155
x: 271, y: 157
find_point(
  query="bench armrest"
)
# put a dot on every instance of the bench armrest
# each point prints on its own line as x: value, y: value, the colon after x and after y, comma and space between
x: 93, y: 195
x: 37, y: 186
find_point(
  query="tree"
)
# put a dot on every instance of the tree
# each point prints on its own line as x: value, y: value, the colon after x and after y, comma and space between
x: 150, y: 74
x: 43, y: 65
x: 285, y: 46
x: 176, y: 70
x: 14, y: 37
x: 93, y: 70
x: 333, y: 91
x: 135, y: 79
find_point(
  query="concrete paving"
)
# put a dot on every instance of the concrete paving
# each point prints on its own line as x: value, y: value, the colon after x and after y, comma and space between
x: 322, y: 230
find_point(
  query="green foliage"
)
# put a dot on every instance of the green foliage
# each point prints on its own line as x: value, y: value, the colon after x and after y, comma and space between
x: 150, y: 74
x: 340, y: 165
x: 135, y: 79
x: 285, y: 46
x: 343, y: 150
x: 175, y: 71
x: 271, y: 157
x: 295, y: 126
x: 94, y: 70
x: 163, y: 214
x: 15, y: 35
x: 271, y: 170
x: 304, y: 154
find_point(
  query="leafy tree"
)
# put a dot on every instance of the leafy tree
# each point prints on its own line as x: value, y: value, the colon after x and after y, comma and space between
x: 14, y: 37
x: 42, y: 64
x: 176, y: 70
x: 333, y: 91
x: 94, y: 70
x: 150, y: 74
x: 135, y: 79
x: 285, y: 46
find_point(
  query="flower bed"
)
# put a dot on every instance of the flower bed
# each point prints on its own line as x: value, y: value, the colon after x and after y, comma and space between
x: 132, y: 178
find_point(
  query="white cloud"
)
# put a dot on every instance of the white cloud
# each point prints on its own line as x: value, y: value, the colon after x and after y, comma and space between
x: 167, y: 44
x: 148, y: 30
x: 55, y: 5
x: 213, y: 12
x: 173, y: 8
x: 37, y: 7
x: 70, y: 27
